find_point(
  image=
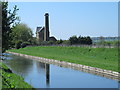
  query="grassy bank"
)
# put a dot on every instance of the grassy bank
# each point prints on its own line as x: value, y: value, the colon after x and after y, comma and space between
x: 105, y: 58
x: 11, y: 80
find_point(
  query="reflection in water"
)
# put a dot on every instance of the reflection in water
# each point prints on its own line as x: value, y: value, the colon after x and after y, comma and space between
x: 22, y: 65
x: 40, y: 67
x: 41, y: 75
x: 44, y: 67
x: 47, y: 68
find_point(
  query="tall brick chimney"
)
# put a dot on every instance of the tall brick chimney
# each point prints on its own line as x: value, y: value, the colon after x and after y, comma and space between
x: 46, y: 31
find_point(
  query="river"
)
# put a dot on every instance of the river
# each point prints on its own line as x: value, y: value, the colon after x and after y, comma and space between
x: 41, y: 75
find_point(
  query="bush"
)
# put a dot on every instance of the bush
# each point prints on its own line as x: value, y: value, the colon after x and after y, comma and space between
x: 51, y: 42
x: 18, y: 44
x: 23, y: 45
x: 59, y: 41
x: 66, y: 42
x: 44, y: 43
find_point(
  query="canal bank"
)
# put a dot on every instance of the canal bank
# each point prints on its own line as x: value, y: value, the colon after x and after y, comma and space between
x: 43, y: 75
x: 104, y: 58
x: 93, y: 70
x: 11, y: 80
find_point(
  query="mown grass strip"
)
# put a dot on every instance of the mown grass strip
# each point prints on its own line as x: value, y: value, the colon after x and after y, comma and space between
x: 104, y: 58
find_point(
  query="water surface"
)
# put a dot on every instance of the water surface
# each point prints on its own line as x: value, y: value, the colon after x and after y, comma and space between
x: 41, y: 75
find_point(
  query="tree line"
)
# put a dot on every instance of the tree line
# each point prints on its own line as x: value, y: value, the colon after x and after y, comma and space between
x: 80, y: 40
x: 18, y: 35
x: 73, y: 40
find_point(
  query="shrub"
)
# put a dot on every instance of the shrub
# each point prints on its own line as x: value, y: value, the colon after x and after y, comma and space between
x: 44, y: 43
x: 18, y: 44
x: 23, y: 45
x: 59, y: 41
x: 51, y: 42
x: 66, y: 42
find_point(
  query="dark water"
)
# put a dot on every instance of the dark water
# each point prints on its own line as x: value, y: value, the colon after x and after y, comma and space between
x: 41, y: 75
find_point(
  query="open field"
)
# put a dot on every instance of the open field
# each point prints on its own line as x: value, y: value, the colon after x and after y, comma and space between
x: 104, y: 58
x: 11, y: 80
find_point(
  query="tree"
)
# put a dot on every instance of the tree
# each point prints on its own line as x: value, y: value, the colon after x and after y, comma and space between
x: 89, y: 40
x: 73, y: 40
x: 21, y: 32
x: 80, y: 40
x: 33, y: 41
x: 9, y: 19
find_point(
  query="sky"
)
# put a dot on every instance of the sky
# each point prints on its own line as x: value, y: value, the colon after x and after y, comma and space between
x: 66, y: 19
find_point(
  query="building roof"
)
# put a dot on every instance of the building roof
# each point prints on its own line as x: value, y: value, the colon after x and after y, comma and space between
x: 38, y: 29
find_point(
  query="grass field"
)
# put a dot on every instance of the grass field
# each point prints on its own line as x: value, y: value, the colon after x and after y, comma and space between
x: 105, y: 58
x: 11, y: 80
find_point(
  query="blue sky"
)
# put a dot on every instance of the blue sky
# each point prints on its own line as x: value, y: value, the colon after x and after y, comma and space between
x: 71, y: 18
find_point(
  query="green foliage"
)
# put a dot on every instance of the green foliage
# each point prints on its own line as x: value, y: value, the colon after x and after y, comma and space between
x: 21, y: 32
x: 18, y: 44
x: 108, y: 43
x: 51, y: 42
x: 33, y: 41
x: 11, y: 80
x: 59, y: 41
x: 9, y: 19
x: 66, y: 42
x: 80, y: 40
x: 73, y: 40
x: 22, y: 36
x: 44, y: 43
x: 105, y: 58
x: 24, y: 44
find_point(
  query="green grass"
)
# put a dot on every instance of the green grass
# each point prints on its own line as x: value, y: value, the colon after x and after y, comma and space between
x: 105, y: 58
x: 11, y: 80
